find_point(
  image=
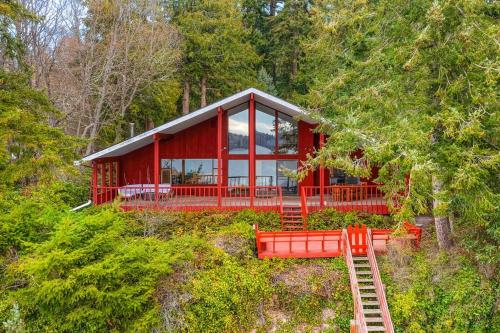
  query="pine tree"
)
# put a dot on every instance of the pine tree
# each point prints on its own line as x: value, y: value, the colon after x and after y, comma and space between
x: 218, y: 57
x: 413, y: 84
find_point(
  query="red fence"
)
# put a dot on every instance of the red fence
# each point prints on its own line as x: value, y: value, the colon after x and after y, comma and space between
x: 298, y: 244
x: 325, y: 243
x: 192, y: 197
x: 346, y: 198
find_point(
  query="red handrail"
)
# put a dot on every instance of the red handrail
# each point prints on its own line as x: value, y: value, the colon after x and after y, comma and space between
x: 191, y: 197
x: 379, y: 288
x: 362, y: 198
x: 358, y: 306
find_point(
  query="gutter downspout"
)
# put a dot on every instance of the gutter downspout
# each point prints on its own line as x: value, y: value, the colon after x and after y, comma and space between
x: 88, y: 203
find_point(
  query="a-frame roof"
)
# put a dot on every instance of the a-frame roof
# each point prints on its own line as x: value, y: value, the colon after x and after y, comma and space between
x: 196, y: 117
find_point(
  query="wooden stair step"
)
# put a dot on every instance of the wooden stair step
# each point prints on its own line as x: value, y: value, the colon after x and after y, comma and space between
x: 369, y: 295
x: 366, y: 287
x: 364, y: 272
x: 374, y: 319
x: 359, y: 258
x: 370, y: 303
x: 362, y: 265
x: 375, y: 328
x: 372, y: 311
x: 365, y: 280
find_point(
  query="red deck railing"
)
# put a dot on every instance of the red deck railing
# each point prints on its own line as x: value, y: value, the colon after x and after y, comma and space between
x: 325, y: 243
x: 346, y: 198
x: 298, y: 244
x: 192, y: 197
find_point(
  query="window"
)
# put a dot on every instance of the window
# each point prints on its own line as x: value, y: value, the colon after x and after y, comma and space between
x: 189, y: 171
x: 237, y: 174
x: 288, y: 133
x: 265, y: 130
x: 267, y: 141
x: 238, y: 130
x: 338, y: 176
x: 265, y: 172
x: 270, y: 173
x: 288, y: 184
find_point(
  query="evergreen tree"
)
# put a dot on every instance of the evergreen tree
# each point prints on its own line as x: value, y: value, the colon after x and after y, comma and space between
x: 218, y: 57
x: 413, y: 84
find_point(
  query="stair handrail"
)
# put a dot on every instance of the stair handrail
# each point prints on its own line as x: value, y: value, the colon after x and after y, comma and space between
x: 303, y: 204
x: 359, y: 316
x: 379, y: 287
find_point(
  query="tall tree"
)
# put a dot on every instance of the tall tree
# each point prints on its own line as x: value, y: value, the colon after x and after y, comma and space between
x: 413, y: 84
x: 218, y: 57
x: 124, y: 47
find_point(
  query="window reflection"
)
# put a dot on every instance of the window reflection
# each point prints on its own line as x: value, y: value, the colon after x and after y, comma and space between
x: 237, y: 174
x: 265, y: 172
x: 189, y: 171
x: 238, y: 130
x: 265, y: 130
x: 287, y: 183
x: 288, y: 133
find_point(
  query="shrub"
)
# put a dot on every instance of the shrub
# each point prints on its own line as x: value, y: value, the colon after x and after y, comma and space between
x: 331, y: 219
x: 94, y: 274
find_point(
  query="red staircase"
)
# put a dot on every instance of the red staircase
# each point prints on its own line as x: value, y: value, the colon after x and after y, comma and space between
x: 371, y: 313
x: 291, y: 219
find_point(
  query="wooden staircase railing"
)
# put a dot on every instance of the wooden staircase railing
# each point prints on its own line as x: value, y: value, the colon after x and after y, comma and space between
x: 359, y: 324
x: 379, y: 288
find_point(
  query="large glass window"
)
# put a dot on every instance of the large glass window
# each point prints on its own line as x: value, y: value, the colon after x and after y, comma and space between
x: 288, y: 134
x: 287, y: 183
x: 272, y: 173
x: 238, y: 130
x: 189, y: 171
x: 265, y: 130
x: 265, y: 172
x: 237, y: 174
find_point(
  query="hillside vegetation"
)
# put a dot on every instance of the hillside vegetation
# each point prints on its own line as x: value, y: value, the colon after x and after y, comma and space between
x: 412, y: 84
x: 105, y: 270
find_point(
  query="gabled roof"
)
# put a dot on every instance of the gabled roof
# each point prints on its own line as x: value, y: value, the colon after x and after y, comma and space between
x: 196, y: 117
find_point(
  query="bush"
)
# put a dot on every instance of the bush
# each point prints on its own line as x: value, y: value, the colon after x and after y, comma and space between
x: 94, y: 274
x: 329, y: 219
x: 439, y: 293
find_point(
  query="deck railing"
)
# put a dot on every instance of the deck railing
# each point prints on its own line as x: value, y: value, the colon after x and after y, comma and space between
x: 191, y: 197
x: 345, y: 198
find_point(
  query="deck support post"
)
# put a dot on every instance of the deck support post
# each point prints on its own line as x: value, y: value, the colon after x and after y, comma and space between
x: 251, y: 149
x: 219, y: 157
x: 94, y: 182
x: 156, y: 141
x: 321, y: 174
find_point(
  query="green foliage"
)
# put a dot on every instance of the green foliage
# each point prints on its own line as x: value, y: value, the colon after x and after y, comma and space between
x: 231, y: 302
x: 31, y: 150
x: 329, y: 219
x: 439, y: 293
x: 216, y: 47
x: 94, y: 274
x: 414, y: 85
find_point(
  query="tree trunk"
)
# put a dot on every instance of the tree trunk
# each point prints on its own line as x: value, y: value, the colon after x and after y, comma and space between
x: 185, y: 98
x: 203, y: 91
x: 272, y: 8
x: 442, y: 223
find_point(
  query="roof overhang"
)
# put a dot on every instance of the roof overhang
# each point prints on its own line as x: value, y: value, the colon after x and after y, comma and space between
x: 196, y: 117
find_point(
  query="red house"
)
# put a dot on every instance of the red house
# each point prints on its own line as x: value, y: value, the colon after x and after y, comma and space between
x: 229, y: 155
